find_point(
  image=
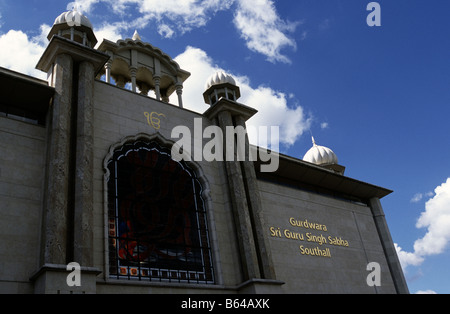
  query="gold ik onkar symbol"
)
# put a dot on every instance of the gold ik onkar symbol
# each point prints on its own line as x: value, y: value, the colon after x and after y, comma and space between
x: 154, y: 120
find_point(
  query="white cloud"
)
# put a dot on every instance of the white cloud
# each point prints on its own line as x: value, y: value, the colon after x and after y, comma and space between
x: 263, y: 29
x: 165, y: 31
x: 426, y: 292
x: 273, y: 110
x: 419, y: 196
x: 84, y: 6
x: 407, y: 258
x: 182, y: 15
x: 186, y: 14
x: 201, y: 67
x: 436, y: 218
x: 194, y: 13
x: 21, y: 53
x: 258, y: 22
x: 324, y: 125
x: 272, y: 106
x: 112, y: 32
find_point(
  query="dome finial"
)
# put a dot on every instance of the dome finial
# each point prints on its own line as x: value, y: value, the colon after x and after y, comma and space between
x: 136, y: 36
x: 314, y: 141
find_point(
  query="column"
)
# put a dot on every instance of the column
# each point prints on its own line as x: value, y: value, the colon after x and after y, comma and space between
x: 58, y: 172
x: 108, y: 66
x: 157, y: 80
x: 255, y: 207
x: 242, y: 218
x: 133, y: 72
x: 68, y: 187
x: 388, y: 246
x: 84, y: 185
x: 180, y: 93
x: 85, y: 41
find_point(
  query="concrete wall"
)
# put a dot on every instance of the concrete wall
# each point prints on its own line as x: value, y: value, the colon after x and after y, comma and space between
x: 120, y: 114
x: 345, y: 270
x: 22, y: 165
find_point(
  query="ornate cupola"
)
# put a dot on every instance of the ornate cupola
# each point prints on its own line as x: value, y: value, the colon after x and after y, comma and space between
x: 222, y: 94
x: 75, y: 26
x: 145, y: 67
x: 221, y: 84
x: 324, y: 157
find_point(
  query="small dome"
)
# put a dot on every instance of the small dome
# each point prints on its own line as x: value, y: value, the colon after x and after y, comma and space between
x: 320, y: 155
x: 72, y: 18
x: 75, y: 26
x: 219, y: 77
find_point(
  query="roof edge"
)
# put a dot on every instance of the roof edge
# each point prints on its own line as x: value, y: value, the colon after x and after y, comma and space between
x: 296, y: 170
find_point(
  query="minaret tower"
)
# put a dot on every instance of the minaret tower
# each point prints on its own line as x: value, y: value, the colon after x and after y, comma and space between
x: 72, y: 65
x: 222, y: 94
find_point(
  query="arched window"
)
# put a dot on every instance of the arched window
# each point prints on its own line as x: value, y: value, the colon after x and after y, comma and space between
x: 158, y: 229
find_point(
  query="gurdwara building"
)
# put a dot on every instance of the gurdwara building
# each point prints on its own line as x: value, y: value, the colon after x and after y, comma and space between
x: 96, y: 196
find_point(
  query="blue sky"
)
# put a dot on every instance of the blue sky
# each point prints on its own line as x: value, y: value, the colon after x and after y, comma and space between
x: 378, y: 96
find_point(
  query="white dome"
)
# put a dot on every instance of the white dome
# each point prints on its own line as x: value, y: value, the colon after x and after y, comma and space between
x: 320, y: 155
x: 219, y: 77
x: 73, y: 17
x: 75, y: 26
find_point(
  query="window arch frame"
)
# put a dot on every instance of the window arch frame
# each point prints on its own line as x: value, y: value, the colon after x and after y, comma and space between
x: 205, y: 194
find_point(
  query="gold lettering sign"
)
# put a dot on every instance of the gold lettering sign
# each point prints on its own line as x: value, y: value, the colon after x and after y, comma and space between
x: 316, y: 239
x: 154, y: 119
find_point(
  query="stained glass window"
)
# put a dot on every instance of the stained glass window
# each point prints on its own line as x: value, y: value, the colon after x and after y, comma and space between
x: 158, y: 228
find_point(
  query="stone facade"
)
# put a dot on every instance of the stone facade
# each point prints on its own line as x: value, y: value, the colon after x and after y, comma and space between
x: 301, y: 229
x: 22, y: 156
